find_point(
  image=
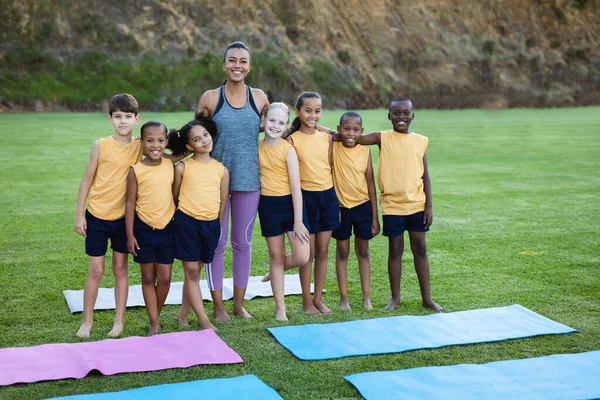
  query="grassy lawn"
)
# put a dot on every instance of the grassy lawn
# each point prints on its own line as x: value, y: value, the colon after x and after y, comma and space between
x: 504, y: 183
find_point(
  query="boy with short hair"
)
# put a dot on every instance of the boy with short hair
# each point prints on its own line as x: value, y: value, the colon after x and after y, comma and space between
x: 354, y: 183
x: 104, y: 185
x: 405, y: 196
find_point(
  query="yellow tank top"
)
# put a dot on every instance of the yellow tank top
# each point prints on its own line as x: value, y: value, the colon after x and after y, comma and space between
x: 272, y: 163
x: 400, y: 173
x: 154, y: 204
x: 106, y: 199
x: 349, y: 168
x: 200, y: 192
x: 313, y: 157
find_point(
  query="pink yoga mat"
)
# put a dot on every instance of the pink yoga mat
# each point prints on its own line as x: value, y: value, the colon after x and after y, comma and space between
x: 113, y: 356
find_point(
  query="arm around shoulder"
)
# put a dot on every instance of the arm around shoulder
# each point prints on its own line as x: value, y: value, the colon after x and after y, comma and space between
x: 179, y: 170
x: 370, y: 139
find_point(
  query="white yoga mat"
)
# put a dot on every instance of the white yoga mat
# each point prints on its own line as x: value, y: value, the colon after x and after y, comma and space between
x: 256, y: 288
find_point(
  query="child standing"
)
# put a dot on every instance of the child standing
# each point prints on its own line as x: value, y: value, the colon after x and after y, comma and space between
x: 355, y: 187
x: 104, y: 185
x: 280, y: 208
x: 405, y: 190
x: 149, y: 219
x: 200, y: 189
x: 314, y: 154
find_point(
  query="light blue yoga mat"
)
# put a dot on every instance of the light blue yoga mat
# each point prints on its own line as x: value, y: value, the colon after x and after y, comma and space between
x: 562, y: 376
x: 403, y: 333
x: 241, y: 387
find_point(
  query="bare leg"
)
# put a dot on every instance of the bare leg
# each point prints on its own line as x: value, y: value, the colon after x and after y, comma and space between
x: 182, y: 316
x: 149, y: 292
x: 305, y: 273
x: 361, y: 247
x: 419, y: 250
x: 191, y: 270
x: 90, y: 293
x: 120, y: 272
x: 396, y: 248
x: 321, y: 248
x: 276, y: 246
x: 163, y: 284
x: 342, y: 249
x: 294, y: 259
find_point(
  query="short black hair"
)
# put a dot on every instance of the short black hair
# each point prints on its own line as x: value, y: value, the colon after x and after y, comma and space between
x: 350, y: 114
x: 153, y: 124
x: 399, y: 100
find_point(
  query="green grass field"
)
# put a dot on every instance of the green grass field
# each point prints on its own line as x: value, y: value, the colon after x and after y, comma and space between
x: 504, y: 182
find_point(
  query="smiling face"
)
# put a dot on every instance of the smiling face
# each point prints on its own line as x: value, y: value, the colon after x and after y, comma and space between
x: 350, y: 130
x: 154, y: 140
x: 236, y: 64
x: 276, y: 122
x: 123, y: 122
x: 200, y: 140
x: 401, y: 115
x: 310, y: 112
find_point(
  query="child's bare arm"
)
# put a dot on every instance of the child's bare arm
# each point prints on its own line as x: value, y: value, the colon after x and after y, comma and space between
x: 179, y: 169
x: 176, y: 159
x: 80, y: 225
x: 370, y: 139
x: 330, y: 154
x: 428, y: 213
x: 372, y: 196
x: 130, y: 199
x: 224, y: 194
x: 300, y: 230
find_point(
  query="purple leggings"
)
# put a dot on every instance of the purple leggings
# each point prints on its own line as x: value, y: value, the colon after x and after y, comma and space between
x: 243, y: 213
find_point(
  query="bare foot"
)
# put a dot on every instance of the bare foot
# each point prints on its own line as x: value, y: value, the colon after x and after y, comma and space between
x: 116, y: 329
x: 433, y: 305
x: 266, y: 278
x: 367, y: 304
x: 207, y: 325
x: 392, y: 304
x: 345, y: 304
x: 182, y: 320
x: 154, y: 329
x: 310, y: 308
x: 221, y: 315
x: 322, y: 308
x: 281, y: 316
x: 84, y: 330
x: 242, y: 313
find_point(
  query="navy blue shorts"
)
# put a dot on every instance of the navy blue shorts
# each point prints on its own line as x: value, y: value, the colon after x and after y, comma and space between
x: 360, y: 218
x: 276, y: 214
x: 195, y: 240
x: 322, y: 209
x: 156, y: 245
x: 395, y: 225
x: 99, y: 231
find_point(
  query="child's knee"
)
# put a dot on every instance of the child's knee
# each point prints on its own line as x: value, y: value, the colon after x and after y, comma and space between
x: 362, y: 252
x: 395, y: 252
x: 342, y: 253
x: 148, y: 279
x: 419, y: 249
x: 95, y: 272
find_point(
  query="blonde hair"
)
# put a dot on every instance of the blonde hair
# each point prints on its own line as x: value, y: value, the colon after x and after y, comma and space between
x: 280, y: 106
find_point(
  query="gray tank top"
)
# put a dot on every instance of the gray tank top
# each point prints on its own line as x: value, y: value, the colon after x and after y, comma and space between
x: 236, y: 145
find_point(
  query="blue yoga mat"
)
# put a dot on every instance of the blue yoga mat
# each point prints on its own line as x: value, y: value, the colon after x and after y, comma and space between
x: 241, y: 387
x: 562, y: 376
x: 404, y: 333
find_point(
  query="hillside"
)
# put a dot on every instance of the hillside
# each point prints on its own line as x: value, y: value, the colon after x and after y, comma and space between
x: 57, y: 55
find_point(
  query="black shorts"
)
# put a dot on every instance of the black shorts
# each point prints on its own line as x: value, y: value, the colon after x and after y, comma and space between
x: 322, y: 209
x: 395, y: 225
x: 195, y: 240
x: 276, y: 214
x: 99, y: 231
x: 360, y: 218
x: 155, y: 245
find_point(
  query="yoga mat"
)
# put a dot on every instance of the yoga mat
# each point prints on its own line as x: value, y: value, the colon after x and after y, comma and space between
x: 562, y: 376
x: 241, y: 387
x: 113, y: 356
x: 404, y: 333
x: 256, y: 288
